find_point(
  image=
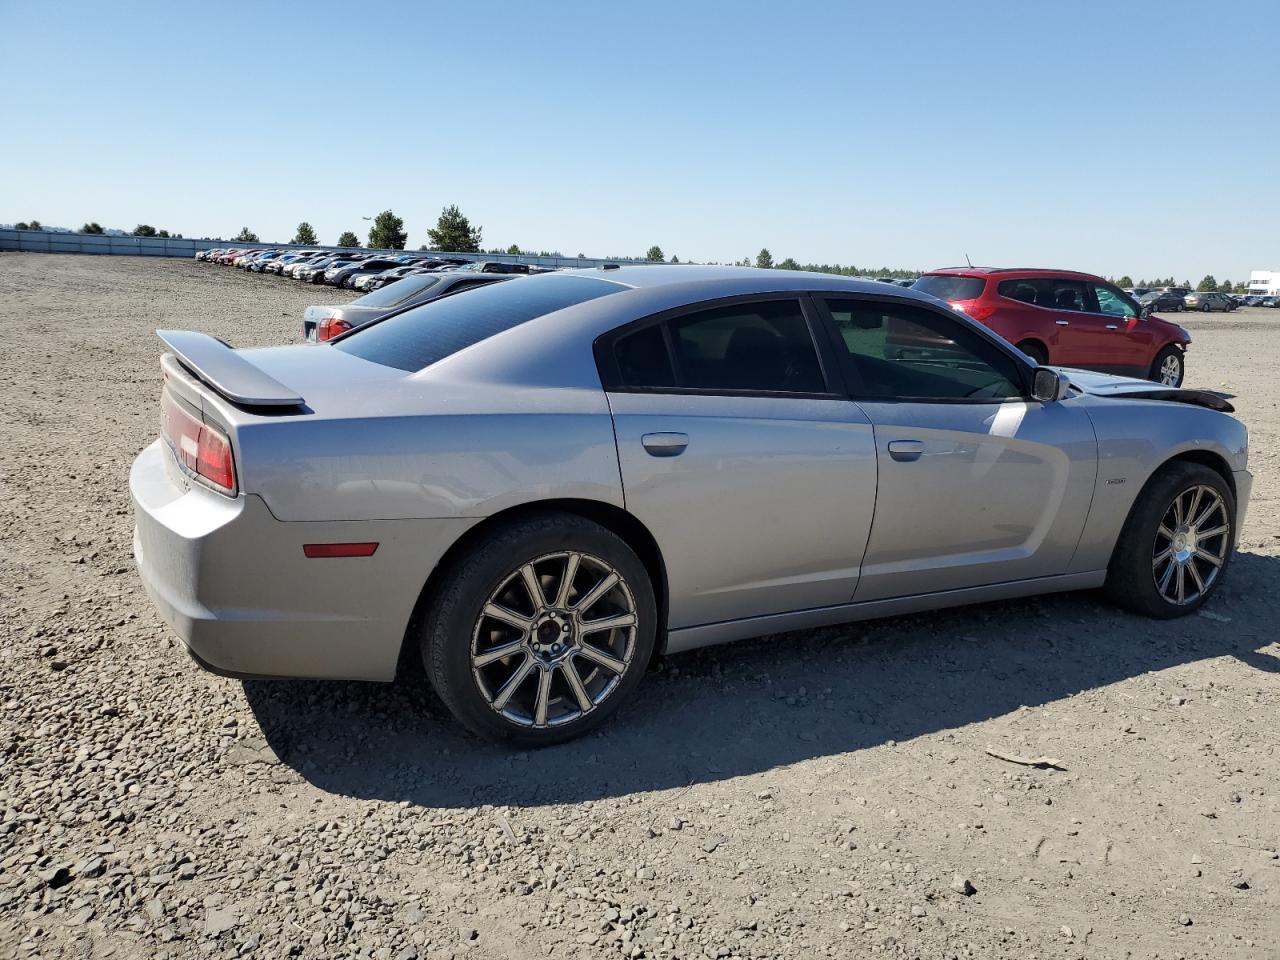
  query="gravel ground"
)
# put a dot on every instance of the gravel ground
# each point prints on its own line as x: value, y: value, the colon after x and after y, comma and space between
x: 817, y: 794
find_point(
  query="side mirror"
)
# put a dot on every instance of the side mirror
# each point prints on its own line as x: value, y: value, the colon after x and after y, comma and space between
x: 1048, y: 385
x: 1145, y: 312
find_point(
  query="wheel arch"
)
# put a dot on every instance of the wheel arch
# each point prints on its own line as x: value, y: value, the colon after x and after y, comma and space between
x: 1206, y: 458
x: 613, y: 518
x: 1033, y: 339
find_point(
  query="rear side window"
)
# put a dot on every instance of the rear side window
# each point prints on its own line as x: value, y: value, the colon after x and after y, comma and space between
x: 1052, y: 293
x: 643, y: 360
x: 763, y: 347
x: 946, y: 287
x: 424, y: 335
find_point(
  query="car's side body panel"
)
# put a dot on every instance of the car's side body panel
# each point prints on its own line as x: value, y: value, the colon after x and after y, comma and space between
x: 233, y: 582
x: 1136, y: 437
x: 766, y: 510
x: 1018, y: 478
x: 690, y: 638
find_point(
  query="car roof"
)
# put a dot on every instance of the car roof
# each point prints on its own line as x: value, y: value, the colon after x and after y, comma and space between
x: 1012, y: 272
x: 731, y: 281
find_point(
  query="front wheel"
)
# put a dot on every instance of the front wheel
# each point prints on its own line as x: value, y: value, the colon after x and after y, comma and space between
x: 1169, y: 367
x: 1176, y: 543
x: 541, y: 631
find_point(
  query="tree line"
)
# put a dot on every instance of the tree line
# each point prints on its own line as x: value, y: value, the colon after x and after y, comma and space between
x: 1206, y: 285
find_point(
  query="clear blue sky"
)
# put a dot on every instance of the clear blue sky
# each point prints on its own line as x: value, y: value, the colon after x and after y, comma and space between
x: 1117, y: 137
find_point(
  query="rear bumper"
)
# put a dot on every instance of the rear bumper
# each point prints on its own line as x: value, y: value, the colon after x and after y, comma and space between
x: 233, y: 583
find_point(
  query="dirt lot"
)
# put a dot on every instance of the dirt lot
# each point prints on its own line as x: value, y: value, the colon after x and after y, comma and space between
x: 819, y: 794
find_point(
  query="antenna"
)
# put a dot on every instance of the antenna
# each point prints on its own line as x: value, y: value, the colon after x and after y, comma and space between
x: 968, y: 261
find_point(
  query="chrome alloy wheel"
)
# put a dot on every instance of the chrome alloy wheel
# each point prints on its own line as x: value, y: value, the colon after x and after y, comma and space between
x: 1171, y: 370
x: 1191, y: 545
x: 554, y: 639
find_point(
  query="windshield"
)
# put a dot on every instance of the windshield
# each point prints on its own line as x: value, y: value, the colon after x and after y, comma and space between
x: 394, y: 294
x: 421, y: 336
x: 947, y: 287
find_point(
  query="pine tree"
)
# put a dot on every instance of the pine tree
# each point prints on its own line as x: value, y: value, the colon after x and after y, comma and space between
x: 388, y: 232
x: 453, y: 232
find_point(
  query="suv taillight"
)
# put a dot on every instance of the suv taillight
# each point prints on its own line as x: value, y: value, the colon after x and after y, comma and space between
x: 974, y: 308
x: 201, y: 448
x: 330, y: 327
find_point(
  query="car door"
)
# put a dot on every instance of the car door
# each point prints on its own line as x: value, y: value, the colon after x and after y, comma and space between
x: 1080, y: 332
x: 978, y: 484
x: 754, y: 473
x: 1125, y: 342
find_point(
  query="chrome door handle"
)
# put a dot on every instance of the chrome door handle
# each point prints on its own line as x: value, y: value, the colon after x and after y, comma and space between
x: 906, y: 450
x: 1063, y: 323
x: 1112, y: 326
x: 665, y: 444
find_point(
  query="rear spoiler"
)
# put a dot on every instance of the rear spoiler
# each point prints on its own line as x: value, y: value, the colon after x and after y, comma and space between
x: 220, y: 367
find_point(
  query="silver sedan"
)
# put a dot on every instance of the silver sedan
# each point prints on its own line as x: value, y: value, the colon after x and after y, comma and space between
x: 539, y: 485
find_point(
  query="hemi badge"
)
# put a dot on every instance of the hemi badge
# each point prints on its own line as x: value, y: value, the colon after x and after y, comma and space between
x: 1115, y: 481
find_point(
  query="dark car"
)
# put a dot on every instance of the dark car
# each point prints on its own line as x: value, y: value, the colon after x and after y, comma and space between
x: 321, y: 323
x: 1064, y: 318
x: 337, y: 276
x: 1170, y: 298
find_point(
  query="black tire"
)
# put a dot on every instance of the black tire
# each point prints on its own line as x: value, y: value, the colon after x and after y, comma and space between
x: 1206, y: 309
x: 1157, y: 366
x: 1035, y: 351
x: 455, y: 622
x: 1132, y: 573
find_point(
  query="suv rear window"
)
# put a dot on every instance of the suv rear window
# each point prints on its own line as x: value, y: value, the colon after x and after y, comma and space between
x: 946, y: 287
x: 421, y: 336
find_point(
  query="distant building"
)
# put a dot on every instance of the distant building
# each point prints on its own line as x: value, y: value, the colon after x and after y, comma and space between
x: 1265, y: 282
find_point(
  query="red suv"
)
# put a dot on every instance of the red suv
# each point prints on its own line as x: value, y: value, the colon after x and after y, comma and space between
x: 1067, y: 319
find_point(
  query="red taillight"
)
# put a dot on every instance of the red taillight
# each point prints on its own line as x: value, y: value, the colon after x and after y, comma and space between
x: 330, y: 327
x: 318, y: 551
x: 201, y: 448
x: 974, y: 308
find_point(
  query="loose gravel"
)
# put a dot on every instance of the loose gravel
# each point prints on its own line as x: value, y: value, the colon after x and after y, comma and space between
x: 825, y: 794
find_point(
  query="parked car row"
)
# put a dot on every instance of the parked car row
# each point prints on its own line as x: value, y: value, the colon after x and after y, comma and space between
x: 1055, y: 317
x: 1178, y: 299
x: 350, y: 269
x: 1260, y: 300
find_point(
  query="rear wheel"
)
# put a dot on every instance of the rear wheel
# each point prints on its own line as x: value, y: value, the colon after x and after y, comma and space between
x: 1035, y: 350
x: 1169, y: 367
x: 541, y: 631
x: 1176, y: 543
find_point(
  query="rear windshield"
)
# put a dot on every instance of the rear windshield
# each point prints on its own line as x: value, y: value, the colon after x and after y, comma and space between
x: 394, y: 294
x: 950, y: 288
x: 423, y: 335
